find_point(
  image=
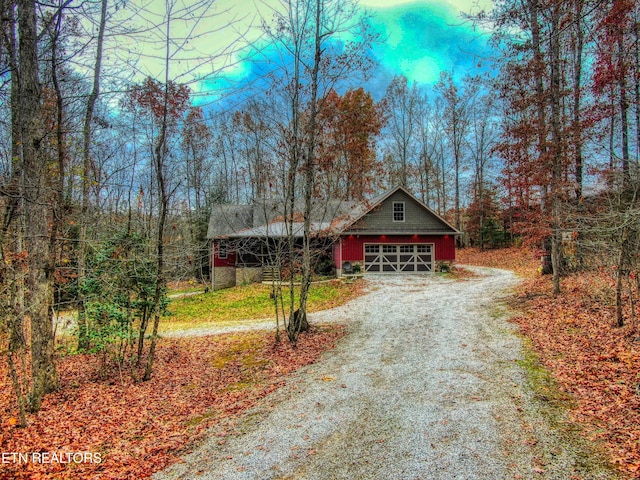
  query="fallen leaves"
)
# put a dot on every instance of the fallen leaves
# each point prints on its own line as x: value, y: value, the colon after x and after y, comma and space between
x: 140, y: 428
x: 521, y: 260
x: 575, y: 338
x: 592, y: 360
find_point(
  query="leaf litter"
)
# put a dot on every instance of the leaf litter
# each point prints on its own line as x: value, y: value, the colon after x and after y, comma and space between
x: 140, y: 428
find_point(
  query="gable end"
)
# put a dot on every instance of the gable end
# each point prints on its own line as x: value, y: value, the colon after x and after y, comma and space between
x: 400, y: 213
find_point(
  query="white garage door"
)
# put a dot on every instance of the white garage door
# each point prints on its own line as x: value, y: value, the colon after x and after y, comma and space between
x: 392, y: 258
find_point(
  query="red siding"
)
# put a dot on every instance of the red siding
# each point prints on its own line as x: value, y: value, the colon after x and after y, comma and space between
x: 353, y: 245
x: 230, y: 261
x: 337, y: 256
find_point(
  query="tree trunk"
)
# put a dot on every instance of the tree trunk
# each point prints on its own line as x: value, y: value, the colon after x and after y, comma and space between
x: 556, y: 166
x: 87, y: 170
x: 301, y: 324
x: 624, y: 121
x: 159, y: 157
x: 44, y: 378
x: 577, y: 100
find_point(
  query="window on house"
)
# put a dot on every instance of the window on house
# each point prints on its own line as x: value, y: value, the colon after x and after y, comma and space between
x: 398, y: 211
x: 222, y: 250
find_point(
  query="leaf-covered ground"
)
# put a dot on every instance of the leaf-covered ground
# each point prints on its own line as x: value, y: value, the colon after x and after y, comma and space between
x: 575, y: 338
x: 139, y: 428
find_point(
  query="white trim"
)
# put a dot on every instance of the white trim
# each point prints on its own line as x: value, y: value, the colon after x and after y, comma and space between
x: 393, y: 212
x: 221, y: 250
x: 393, y: 259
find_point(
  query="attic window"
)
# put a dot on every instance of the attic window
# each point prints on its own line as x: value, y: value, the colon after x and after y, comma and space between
x: 398, y: 211
x: 222, y: 250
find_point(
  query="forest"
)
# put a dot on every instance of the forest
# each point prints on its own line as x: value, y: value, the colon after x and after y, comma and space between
x: 108, y: 177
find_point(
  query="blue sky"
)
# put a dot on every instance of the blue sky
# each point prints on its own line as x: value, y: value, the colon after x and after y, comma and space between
x: 421, y: 39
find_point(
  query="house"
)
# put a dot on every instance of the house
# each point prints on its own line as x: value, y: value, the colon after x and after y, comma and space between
x: 393, y: 233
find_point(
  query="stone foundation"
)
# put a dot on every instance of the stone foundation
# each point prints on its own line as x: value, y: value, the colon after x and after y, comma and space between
x: 246, y: 275
x: 223, y: 277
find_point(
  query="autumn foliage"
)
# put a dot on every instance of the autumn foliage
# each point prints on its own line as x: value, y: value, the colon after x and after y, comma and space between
x: 346, y: 156
x: 140, y: 428
x: 575, y: 337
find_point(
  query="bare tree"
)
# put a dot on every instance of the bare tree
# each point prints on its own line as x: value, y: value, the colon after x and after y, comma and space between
x: 87, y: 174
x: 456, y: 118
x: 481, y: 141
x: 402, y: 103
x: 304, y: 32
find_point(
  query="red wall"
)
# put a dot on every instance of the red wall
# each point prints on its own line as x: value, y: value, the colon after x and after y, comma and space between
x: 230, y: 261
x: 353, y: 245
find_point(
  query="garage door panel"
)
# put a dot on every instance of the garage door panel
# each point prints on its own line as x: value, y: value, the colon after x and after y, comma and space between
x: 403, y: 258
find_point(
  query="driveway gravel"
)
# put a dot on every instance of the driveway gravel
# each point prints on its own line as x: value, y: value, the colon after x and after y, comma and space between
x: 426, y: 385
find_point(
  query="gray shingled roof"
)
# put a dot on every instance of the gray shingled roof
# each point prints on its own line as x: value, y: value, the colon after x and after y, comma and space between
x: 252, y: 220
x: 242, y: 221
x: 229, y: 218
x: 279, y: 230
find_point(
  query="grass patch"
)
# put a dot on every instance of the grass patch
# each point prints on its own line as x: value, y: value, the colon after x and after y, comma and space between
x: 542, y: 383
x: 562, y: 436
x: 250, y: 302
x: 198, y: 419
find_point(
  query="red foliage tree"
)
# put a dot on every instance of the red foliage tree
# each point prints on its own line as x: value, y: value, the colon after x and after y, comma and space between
x: 347, y: 160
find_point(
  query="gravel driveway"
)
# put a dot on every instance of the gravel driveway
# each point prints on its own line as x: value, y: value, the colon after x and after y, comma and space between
x: 425, y: 386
